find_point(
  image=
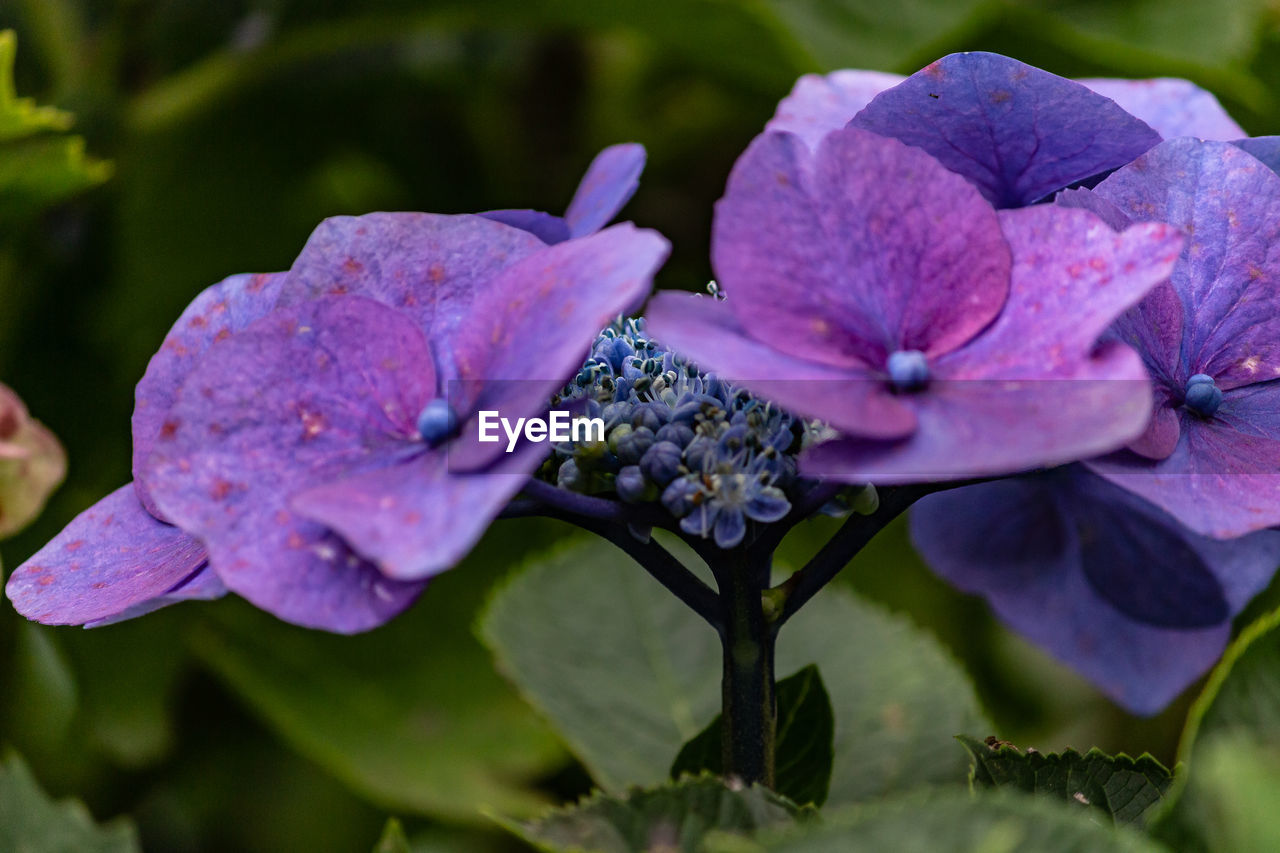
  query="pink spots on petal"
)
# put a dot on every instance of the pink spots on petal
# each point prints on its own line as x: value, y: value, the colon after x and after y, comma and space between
x: 197, y: 322
x: 295, y: 541
x: 220, y: 489
x: 313, y: 423
x: 100, y: 585
x: 46, y: 580
x: 1098, y: 264
x: 436, y: 273
x: 412, y: 517
x: 222, y: 335
x: 352, y: 266
x: 74, y: 546
x: 1075, y: 270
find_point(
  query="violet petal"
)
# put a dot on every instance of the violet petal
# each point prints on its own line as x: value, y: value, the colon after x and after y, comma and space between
x: 214, y: 315
x: 308, y: 395
x: 850, y: 300
x: 111, y: 557
x: 1018, y: 133
x: 1173, y: 107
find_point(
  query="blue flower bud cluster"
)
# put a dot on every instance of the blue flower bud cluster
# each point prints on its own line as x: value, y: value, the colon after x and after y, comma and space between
x: 711, y: 454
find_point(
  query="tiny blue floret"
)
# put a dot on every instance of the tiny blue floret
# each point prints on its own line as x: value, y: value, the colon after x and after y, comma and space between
x: 908, y: 370
x: 437, y: 422
x: 1203, y: 396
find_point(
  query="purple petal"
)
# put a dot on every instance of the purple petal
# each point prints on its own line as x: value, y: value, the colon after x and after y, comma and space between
x: 706, y: 332
x: 730, y: 527
x: 203, y: 585
x: 1229, y: 204
x: 110, y: 558
x: 1264, y: 148
x: 417, y: 519
x: 610, y: 182
x: 1154, y: 328
x: 989, y: 427
x: 308, y: 395
x: 547, y: 228
x: 819, y: 104
x: 866, y: 248
x: 1086, y: 199
x: 1162, y: 433
x: 437, y: 269
x: 1173, y: 107
x: 1072, y: 277
x: 1018, y: 133
x: 1032, y: 390
x: 520, y: 349
x: 214, y: 315
x: 1018, y: 544
x: 1223, y: 477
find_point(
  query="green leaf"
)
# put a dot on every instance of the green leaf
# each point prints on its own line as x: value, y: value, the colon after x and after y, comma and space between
x: 628, y: 675
x: 393, y: 839
x: 862, y: 34
x: 806, y: 727
x: 405, y: 715
x: 1123, y: 787
x: 675, y: 817
x: 30, y: 822
x: 946, y: 822
x: 37, y: 167
x: 1232, y: 741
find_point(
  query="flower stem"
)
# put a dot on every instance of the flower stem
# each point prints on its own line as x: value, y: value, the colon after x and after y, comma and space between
x: 750, y: 709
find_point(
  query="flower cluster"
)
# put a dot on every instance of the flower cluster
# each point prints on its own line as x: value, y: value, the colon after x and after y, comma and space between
x: 713, y: 455
x: 981, y: 270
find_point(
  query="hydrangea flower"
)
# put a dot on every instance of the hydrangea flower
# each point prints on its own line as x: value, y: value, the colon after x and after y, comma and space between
x: 710, y: 454
x: 32, y: 463
x: 1210, y: 337
x: 315, y: 457
x: 123, y: 557
x: 1106, y: 582
x: 873, y: 289
x: 964, y: 96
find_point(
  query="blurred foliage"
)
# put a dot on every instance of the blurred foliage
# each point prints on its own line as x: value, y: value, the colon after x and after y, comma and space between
x: 30, y: 822
x: 234, y: 127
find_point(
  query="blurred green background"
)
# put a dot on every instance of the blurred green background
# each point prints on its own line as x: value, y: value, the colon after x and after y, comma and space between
x: 234, y: 127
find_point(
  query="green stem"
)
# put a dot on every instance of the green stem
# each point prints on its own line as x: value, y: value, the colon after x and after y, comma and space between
x: 750, y: 708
